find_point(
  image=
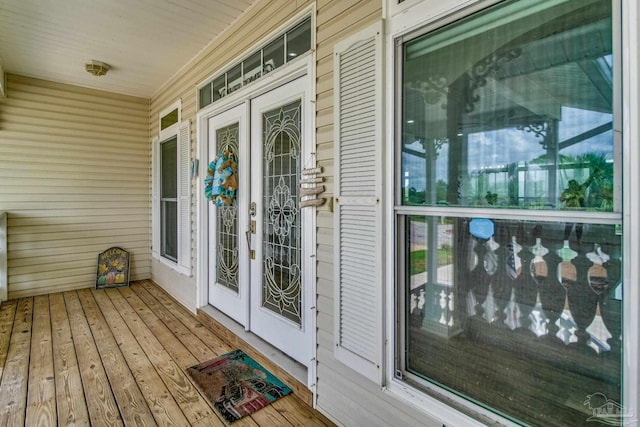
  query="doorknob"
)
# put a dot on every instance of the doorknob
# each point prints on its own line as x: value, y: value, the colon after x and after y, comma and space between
x: 252, y: 253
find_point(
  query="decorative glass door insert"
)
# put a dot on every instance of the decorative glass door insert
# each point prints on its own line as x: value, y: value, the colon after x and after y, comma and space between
x: 227, y: 220
x: 281, y: 273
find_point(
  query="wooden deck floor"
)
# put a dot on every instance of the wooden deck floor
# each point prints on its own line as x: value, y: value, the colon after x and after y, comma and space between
x: 114, y: 357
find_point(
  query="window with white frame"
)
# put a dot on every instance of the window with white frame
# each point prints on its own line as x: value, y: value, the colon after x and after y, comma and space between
x: 508, y: 211
x: 169, y: 198
x: 171, y: 191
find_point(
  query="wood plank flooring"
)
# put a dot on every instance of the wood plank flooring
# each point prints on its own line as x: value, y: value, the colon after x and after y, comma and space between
x: 115, y: 357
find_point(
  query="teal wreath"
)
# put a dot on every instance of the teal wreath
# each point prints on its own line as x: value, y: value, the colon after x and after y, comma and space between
x: 221, y: 183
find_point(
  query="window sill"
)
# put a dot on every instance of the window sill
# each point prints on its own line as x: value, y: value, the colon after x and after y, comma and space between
x: 442, y: 409
x: 172, y: 265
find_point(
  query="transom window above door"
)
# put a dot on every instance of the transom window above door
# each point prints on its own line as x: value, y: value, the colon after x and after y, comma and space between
x: 286, y: 47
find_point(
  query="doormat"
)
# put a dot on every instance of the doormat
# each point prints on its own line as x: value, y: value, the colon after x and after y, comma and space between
x: 237, y: 385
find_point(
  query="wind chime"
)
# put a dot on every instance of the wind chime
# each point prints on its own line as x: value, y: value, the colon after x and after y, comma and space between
x: 514, y: 268
x: 599, y: 283
x: 539, y: 272
x: 566, y: 274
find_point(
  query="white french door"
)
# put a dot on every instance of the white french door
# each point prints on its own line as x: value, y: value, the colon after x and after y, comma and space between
x: 228, y: 252
x: 271, y: 296
x: 280, y: 304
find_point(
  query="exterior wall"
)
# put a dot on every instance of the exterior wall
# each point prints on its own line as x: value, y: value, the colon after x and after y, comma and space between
x: 258, y: 22
x: 351, y: 399
x: 345, y: 396
x: 74, y: 179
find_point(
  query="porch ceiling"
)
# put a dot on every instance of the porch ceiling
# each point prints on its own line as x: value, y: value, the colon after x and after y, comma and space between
x: 145, y: 42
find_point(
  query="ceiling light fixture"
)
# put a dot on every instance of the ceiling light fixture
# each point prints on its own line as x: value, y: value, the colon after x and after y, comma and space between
x: 97, y: 68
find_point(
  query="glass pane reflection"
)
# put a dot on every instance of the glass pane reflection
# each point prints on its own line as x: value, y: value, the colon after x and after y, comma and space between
x: 518, y: 114
x: 523, y: 317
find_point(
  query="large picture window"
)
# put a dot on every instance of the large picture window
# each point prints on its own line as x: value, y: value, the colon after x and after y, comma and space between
x: 508, y: 209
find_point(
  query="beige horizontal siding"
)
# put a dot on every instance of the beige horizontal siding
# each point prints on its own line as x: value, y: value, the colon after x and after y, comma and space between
x: 343, y: 394
x: 261, y: 20
x: 96, y: 246
x: 75, y: 180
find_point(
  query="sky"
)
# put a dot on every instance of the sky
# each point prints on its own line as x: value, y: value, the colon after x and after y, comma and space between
x: 495, y: 149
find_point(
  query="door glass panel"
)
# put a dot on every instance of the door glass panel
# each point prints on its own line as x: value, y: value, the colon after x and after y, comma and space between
x: 281, y: 234
x: 219, y: 87
x: 299, y: 40
x: 252, y: 68
x: 273, y: 55
x: 205, y: 95
x: 234, y: 79
x: 227, y: 220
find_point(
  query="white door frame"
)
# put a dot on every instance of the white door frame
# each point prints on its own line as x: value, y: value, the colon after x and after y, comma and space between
x: 279, y: 77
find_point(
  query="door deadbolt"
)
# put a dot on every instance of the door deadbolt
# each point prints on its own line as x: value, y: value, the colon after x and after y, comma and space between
x: 252, y: 209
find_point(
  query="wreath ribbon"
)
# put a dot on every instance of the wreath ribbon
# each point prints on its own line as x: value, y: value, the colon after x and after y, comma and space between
x: 221, y: 183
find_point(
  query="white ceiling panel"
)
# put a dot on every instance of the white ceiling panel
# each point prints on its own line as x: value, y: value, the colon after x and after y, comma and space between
x: 145, y: 41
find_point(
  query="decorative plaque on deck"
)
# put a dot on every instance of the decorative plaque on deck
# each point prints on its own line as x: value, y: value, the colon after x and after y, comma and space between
x: 113, y: 268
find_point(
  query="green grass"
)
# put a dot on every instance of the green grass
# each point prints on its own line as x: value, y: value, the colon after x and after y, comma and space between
x: 418, y: 260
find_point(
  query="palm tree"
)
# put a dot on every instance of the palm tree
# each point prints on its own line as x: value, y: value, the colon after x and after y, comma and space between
x: 597, y: 190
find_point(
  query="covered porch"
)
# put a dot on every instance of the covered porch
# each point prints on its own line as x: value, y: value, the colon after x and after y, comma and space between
x: 118, y: 357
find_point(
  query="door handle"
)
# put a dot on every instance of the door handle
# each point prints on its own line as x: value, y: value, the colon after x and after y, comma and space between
x: 252, y: 253
x: 248, y: 236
